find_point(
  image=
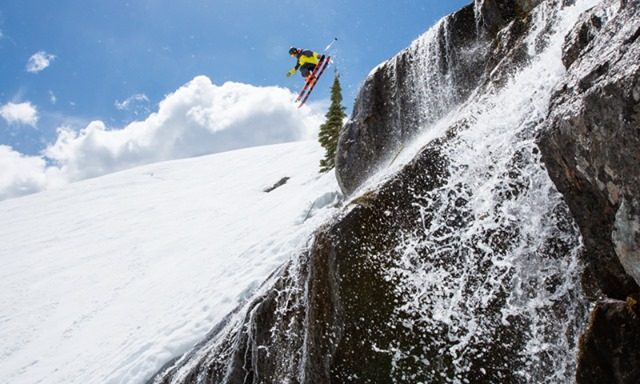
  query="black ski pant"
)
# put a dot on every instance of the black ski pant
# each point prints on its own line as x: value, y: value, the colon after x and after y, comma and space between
x: 307, y: 69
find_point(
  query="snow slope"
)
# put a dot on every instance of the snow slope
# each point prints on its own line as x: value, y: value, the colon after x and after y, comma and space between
x: 107, y: 279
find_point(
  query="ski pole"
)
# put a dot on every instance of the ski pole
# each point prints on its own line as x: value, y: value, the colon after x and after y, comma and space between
x: 330, y: 44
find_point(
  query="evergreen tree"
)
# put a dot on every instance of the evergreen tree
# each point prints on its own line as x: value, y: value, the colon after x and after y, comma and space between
x: 330, y: 129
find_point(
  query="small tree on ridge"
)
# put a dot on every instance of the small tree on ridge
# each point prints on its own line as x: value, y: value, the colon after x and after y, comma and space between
x: 330, y: 129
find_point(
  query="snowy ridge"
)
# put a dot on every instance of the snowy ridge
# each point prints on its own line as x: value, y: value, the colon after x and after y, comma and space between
x: 106, y: 280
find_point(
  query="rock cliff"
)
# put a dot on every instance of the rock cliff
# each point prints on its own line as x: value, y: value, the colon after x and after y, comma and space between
x: 591, y: 145
x: 503, y: 245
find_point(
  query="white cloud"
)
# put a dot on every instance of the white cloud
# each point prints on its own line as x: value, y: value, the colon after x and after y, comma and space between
x: 137, y: 104
x: 39, y: 61
x: 22, y: 113
x: 52, y: 97
x: 21, y: 175
x: 199, y: 118
x: 126, y: 104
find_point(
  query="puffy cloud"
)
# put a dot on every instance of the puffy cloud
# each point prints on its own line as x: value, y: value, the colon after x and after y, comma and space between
x: 39, y: 61
x: 199, y: 118
x: 21, y: 175
x: 22, y: 113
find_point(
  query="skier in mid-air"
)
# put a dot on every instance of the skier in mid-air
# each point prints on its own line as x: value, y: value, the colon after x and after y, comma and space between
x: 312, y: 65
x: 306, y: 61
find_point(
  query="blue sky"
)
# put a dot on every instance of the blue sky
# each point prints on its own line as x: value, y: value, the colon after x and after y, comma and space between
x: 115, y: 61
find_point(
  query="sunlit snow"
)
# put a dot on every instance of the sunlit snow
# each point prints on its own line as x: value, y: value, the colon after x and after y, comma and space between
x: 106, y: 280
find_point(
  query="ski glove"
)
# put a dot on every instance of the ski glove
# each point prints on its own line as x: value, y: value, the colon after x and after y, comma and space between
x: 291, y: 72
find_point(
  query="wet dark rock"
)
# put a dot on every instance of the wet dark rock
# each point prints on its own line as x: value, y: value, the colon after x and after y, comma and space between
x: 496, y: 14
x: 577, y: 41
x: 387, y: 112
x: 592, y: 150
x: 238, y: 348
x: 425, y: 81
x: 592, y: 146
x: 609, y: 346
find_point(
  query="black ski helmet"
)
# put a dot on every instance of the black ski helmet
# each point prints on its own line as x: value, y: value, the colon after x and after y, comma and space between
x: 293, y: 51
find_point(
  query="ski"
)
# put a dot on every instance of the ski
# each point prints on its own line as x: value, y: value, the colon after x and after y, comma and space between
x: 308, y: 80
x: 312, y: 80
x: 315, y: 81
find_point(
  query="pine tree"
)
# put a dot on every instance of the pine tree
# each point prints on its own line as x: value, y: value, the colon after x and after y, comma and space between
x: 330, y: 129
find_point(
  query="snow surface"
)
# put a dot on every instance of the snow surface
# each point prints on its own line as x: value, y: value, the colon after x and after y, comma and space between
x: 107, y: 279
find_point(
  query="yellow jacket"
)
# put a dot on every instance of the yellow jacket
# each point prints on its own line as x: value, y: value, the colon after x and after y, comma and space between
x: 306, y: 57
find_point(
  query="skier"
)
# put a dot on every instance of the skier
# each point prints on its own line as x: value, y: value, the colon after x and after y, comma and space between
x: 307, y: 61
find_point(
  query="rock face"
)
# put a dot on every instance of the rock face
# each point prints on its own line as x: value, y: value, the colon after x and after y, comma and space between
x: 427, y: 80
x: 493, y: 15
x: 609, y: 350
x: 441, y: 70
x: 468, y: 263
x: 592, y: 149
x: 592, y: 144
